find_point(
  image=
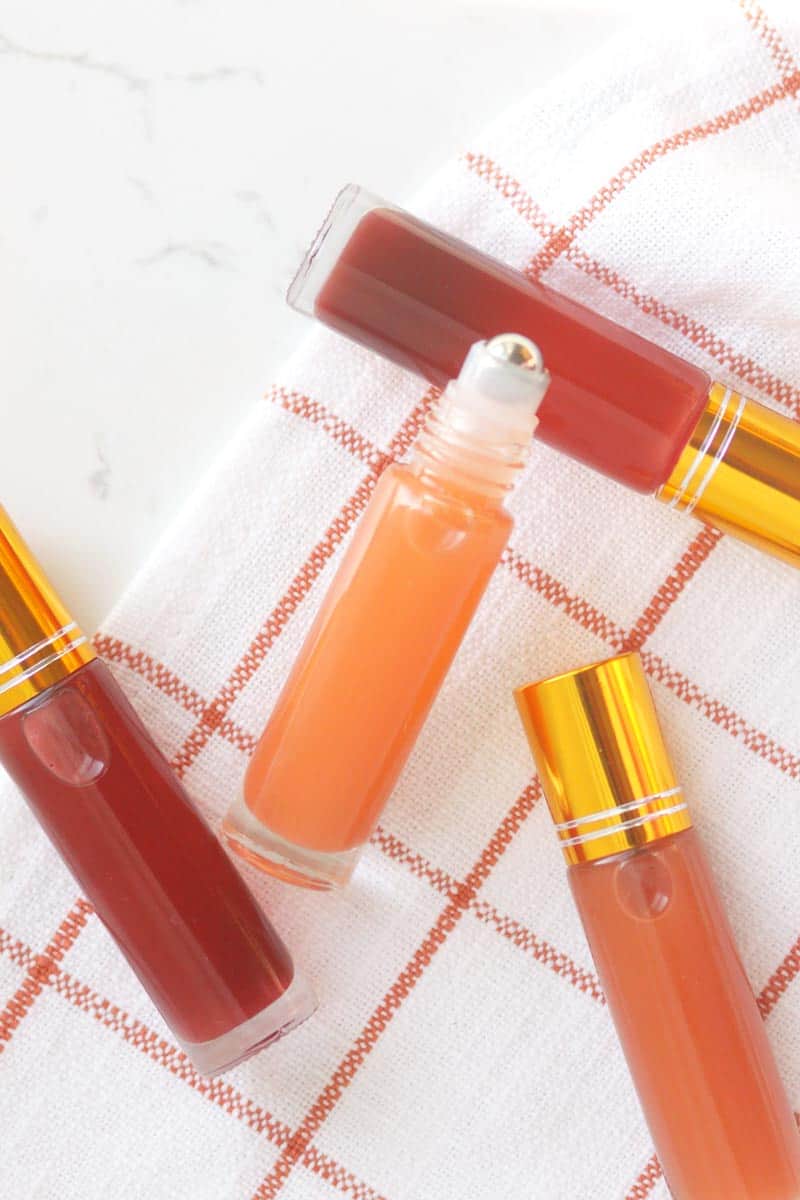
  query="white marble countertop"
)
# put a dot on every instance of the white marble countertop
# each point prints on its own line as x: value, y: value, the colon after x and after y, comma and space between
x: 165, y: 165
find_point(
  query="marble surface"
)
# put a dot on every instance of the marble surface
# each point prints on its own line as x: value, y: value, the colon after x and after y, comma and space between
x: 165, y: 166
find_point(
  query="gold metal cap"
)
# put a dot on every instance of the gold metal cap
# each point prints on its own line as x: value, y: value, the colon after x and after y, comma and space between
x: 39, y: 642
x: 740, y: 471
x: 604, y: 768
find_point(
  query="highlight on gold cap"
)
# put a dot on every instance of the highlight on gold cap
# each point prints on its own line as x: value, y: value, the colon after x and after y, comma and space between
x: 740, y: 471
x: 40, y: 644
x: 606, y: 774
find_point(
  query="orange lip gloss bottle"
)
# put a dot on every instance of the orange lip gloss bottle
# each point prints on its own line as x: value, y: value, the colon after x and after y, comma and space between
x: 681, y: 1002
x: 390, y: 626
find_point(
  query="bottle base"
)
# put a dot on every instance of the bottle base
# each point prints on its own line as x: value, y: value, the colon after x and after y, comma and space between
x: 252, y: 841
x: 296, y: 1005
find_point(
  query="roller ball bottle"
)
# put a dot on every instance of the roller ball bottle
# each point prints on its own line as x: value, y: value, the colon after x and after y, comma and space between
x: 159, y: 880
x: 683, y: 1008
x: 389, y: 627
x: 617, y: 402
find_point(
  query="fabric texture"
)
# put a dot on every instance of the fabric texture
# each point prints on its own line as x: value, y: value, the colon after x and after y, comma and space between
x: 462, y: 1048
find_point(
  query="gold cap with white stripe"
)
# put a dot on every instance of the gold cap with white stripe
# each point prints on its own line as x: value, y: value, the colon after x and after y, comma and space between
x: 40, y: 644
x: 740, y: 471
x: 601, y: 759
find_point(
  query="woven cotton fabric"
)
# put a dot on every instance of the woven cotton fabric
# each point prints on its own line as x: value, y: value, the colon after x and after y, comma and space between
x: 462, y: 1049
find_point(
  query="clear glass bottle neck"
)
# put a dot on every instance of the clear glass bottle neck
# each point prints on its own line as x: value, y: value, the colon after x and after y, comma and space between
x: 483, y: 467
x: 478, y: 436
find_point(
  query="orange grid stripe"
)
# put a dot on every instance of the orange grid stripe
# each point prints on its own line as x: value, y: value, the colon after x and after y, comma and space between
x: 303, y: 581
x: 404, y: 984
x: 340, y: 431
x: 563, y: 237
x: 39, y: 970
x: 778, y: 982
x: 514, y: 931
x: 676, y: 582
x: 743, y: 366
x: 780, y: 52
x: 646, y: 1180
x: 162, y: 1052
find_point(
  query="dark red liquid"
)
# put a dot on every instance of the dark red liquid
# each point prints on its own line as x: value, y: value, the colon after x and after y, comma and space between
x: 616, y: 402
x: 158, y: 878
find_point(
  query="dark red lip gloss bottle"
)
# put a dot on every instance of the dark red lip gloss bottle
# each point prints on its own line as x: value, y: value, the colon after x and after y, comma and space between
x: 617, y: 402
x: 158, y: 878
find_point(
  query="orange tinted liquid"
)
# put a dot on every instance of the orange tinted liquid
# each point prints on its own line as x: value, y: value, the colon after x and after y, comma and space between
x: 688, y: 1023
x: 374, y: 660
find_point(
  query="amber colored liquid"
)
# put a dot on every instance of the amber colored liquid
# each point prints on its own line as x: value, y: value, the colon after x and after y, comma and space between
x: 158, y: 878
x: 616, y: 401
x: 688, y: 1023
x: 373, y: 661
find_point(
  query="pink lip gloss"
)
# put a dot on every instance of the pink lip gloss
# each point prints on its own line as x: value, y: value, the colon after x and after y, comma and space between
x: 681, y: 1002
x: 617, y: 402
x: 389, y: 627
x: 156, y: 875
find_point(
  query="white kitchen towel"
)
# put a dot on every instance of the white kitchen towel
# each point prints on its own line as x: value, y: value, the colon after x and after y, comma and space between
x: 462, y: 1049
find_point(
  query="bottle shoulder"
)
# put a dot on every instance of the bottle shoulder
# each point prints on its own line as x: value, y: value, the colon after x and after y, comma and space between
x: 418, y: 482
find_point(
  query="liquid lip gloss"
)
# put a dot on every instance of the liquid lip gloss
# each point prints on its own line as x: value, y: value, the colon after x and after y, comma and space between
x: 156, y: 875
x: 390, y: 626
x: 617, y: 402
x: 683, y: 1008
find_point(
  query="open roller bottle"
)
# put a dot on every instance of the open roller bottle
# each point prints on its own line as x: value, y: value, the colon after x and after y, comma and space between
x: 389, y: 627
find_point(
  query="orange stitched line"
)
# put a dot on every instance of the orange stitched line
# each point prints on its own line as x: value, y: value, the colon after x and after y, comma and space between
x: 563, y: 237
x: 646, y: 1180
x: 299, y: 587
x: 780, y: 52
x: 168, y: 1056
x: 778, y: 982
x: 582, y: 611
x: 744, y: 367
x: 40, y: 969
x: 687, y: 566
x: 755, y: 740
x: 403, y: 985
x: 720, y: 714
x: 337, y: 429
x: 514, y: 931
